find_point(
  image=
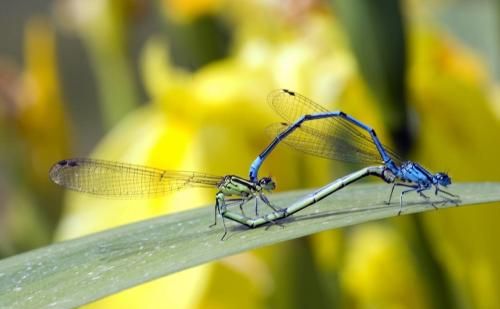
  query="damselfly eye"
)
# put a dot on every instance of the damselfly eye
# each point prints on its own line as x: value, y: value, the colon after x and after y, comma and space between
x: 267, y: 183
x: 442, y: 179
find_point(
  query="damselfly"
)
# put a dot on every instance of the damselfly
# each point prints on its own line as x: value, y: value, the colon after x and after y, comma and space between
x: 313, y: 129
x: 123, y: 180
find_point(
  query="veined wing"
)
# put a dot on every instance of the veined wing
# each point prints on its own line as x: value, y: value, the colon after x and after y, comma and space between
x: 123, y: 180
x: 333, y: 138
x: 333, y: 147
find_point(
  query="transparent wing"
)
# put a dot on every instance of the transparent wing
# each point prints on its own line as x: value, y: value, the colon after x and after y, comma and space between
x: 311, y: 142
x: 116, y: 179
x: 333, y: 138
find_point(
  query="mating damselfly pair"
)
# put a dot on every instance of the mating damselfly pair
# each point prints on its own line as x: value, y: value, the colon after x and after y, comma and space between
x: 309, y: 128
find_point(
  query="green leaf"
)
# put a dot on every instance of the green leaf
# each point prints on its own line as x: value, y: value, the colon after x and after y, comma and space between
x: 376, y: 33
x: 79, y: 271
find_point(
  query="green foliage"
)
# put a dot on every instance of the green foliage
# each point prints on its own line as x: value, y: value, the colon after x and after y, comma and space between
x: 377, y: 36
x: 76, y: 272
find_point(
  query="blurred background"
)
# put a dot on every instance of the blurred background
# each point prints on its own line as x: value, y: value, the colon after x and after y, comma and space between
x: 183, y: 84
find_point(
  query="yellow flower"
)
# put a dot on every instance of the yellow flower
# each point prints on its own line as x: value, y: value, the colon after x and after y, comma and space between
x: 41, y: 116
x: 185, y: 10
x: 458, y: 130
x: 378, y: 270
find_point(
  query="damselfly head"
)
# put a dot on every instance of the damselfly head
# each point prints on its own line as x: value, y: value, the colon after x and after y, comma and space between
x: 267, y: 183
x: 441, y: 179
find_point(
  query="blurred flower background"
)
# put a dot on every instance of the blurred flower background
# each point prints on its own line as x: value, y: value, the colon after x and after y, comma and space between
x: 183, y: 84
